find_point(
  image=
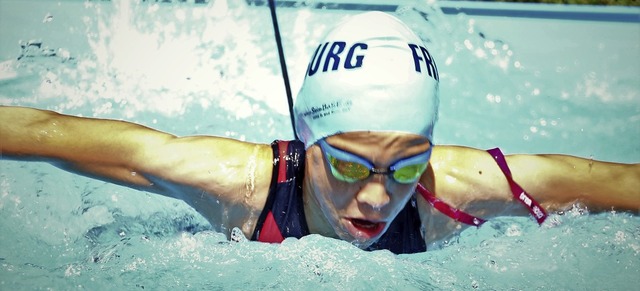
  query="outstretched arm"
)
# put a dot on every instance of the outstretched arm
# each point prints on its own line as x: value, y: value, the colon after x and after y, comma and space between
x: 470, y: 179
x: 106, y: 147
x: 132, y: 154
x: 560, y: 181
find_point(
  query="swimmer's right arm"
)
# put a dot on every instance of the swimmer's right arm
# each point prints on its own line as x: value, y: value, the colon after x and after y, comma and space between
x: 130, y: 154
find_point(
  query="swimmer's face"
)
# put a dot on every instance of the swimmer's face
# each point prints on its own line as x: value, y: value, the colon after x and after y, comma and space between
x: 361, y: 211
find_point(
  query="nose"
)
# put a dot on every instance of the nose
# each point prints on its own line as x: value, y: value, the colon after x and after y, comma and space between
x: 374, y: 192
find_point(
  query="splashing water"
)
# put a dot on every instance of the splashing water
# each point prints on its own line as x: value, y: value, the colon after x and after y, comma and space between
x: 213, y: 69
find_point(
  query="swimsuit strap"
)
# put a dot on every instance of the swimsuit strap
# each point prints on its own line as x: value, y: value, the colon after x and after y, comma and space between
x: 267, y: 229
x: 283, y: 213
x: 447, y: 209
x: 534, y: 207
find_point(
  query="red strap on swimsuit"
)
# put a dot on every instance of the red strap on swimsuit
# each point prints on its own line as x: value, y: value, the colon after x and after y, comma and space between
x: 445, y: 208
x: 534, y: 208
x: 270, y: 232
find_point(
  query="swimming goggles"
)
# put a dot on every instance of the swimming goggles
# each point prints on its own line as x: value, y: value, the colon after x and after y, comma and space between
x: 351, y: 168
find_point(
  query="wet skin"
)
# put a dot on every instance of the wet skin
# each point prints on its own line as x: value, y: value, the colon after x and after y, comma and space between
x: 358, y: 212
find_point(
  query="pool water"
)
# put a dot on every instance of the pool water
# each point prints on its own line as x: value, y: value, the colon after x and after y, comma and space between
x: 526, y: 85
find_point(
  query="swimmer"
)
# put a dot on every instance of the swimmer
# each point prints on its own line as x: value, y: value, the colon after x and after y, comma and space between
x: 366, y: 168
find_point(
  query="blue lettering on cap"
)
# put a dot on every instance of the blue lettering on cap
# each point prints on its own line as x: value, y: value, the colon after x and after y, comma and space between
x: 333, y: 57
x: 336, y: 49
x: 348, y: 64
x: 315, y: 61
x: 424, y: 57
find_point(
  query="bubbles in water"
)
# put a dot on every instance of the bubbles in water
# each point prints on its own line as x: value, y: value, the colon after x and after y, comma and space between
x: 535, y: 92
x: 47, y: 18
x: 121, y: 243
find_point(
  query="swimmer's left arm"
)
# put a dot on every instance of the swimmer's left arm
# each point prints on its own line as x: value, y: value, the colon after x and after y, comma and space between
x: 469, y: 179
x: 560, y: 181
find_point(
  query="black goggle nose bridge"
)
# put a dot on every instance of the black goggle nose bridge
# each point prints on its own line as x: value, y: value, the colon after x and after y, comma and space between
x: 386, y: 172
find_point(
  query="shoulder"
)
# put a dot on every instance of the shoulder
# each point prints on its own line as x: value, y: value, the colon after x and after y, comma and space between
x: 468, y: 179
x: 459, y: 169
x: 232, y: 171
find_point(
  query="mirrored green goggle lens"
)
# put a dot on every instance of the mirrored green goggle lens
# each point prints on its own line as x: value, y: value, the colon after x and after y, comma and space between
x: 348, y: 171
x: 409, y: 174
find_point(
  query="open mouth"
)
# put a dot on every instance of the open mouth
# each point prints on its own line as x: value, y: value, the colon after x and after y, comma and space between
x: 359, y: 223
x: 365, y: 229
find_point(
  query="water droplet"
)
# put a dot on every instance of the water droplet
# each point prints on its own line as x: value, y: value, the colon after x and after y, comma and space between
x: 47, y: 18
x: 536, y: 92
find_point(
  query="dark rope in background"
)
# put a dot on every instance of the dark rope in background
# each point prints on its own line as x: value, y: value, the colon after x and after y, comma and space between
x: 283, y: 64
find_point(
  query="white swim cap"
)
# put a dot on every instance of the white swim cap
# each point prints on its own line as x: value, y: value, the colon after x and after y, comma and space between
x: 370, y: 73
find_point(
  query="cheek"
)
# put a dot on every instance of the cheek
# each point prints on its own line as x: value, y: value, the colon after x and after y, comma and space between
x: 335, y: 193
x: 330, y: 191
x: 405, y: 191
x: 341, y: 197
x: 318, y: 174
x: 401, y: 194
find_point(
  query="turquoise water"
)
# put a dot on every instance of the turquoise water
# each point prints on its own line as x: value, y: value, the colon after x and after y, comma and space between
x: 526, y: 85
